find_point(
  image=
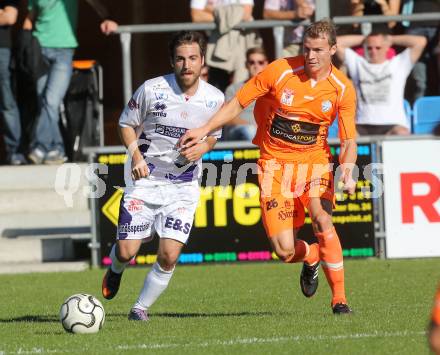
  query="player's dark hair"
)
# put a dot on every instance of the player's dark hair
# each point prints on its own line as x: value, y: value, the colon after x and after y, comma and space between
x: 320, y: 28
x: 187, y: 37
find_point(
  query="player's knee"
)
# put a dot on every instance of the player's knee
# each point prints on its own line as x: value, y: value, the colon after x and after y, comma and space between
x: 285, y: 255
x: 124, y: 253
x: 167, y: 260
x: 322, y: 221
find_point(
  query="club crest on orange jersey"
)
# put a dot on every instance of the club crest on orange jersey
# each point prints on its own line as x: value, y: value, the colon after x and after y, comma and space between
x: 326, y: 106
x: 287, y: 97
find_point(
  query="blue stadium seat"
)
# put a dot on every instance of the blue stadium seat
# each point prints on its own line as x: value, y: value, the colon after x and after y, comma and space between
x: 426, y: 114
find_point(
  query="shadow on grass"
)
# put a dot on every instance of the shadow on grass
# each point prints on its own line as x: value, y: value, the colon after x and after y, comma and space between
x: 197, y: 315
x: 31, y: 319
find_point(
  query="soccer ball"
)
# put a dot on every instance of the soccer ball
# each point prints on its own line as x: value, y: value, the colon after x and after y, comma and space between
x: 82, y: 314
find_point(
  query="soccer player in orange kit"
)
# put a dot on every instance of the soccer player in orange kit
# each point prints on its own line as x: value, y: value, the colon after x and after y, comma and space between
x: 297, y: 99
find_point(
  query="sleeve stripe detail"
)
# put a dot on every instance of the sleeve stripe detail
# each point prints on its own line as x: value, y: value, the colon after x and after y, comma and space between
x: 286, y: 72
x: 340, y: 83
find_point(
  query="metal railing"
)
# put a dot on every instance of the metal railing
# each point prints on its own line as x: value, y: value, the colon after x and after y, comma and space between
x: 125, y: 32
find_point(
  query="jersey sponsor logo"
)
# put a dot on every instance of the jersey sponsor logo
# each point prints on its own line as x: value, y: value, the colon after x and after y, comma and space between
x: 184, y: 115
x: 177, y: 224
x: 303, y: 133
x: 170, y: 131
x: 135, y: 205
x: 133, y: 105
x: 326, y: 106
x: 211, y: 104
x: 161, y: 95
x: 287, y: 97
x: 133, y: 228
x: 160, y: 108
x: 296, y: 128
x: 283, y: 215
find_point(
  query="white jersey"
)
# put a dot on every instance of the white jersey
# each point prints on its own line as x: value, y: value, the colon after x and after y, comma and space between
x: 380, y: 88
x: 161, y: 113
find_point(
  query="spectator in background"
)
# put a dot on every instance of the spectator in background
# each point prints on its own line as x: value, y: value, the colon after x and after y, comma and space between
x: 290, y: 10
x: 8, y: 106
x: 226, y: 47
x: 54, y: 24
x: 380, y: 82
x: 375, y: 7
x: 243, y: 127
x: 427, y: 63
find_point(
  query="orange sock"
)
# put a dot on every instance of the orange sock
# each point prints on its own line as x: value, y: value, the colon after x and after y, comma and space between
x: 305, y: 252
x: 330, y: 253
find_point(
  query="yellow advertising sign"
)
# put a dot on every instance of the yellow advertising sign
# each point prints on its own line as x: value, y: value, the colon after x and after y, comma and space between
x: 111, y: 207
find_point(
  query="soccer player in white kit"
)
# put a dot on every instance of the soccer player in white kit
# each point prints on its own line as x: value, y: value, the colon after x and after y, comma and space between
x: 162, y: 188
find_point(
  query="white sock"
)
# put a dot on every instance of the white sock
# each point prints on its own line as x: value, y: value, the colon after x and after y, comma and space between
x: 155, y: 283
x: 117, y: 266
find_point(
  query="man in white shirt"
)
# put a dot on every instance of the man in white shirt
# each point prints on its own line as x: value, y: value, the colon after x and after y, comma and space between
x: 380, y: 82
x: 162, y: 190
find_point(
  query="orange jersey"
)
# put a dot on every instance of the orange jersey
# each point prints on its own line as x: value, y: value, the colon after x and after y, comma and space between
x: 293, y: 112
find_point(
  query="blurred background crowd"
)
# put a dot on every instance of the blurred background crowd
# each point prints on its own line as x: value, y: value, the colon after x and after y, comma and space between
x: 392, y: 64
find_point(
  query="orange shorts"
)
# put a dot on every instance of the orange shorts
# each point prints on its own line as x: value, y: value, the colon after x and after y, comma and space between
x: 287, y: 186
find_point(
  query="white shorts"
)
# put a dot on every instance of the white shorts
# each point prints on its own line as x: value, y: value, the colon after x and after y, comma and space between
x: 167, y: 210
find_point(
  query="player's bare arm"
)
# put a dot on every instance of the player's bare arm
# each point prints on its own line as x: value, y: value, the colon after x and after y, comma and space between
x: 347, y: 159
x: 205, y: 15
x: 344, y: 42
x: 227, y: 113
x: 416, y: 44
x: 139, y: 167
x: 195, y: 152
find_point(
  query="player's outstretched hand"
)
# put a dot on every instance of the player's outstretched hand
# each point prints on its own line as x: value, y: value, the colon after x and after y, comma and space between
x: 349, y: 183
x: 195, y: 152
x: 139, y: 168
x: 192, y: 137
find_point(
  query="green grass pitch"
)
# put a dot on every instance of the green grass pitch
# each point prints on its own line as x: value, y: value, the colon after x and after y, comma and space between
x: 229, y: 309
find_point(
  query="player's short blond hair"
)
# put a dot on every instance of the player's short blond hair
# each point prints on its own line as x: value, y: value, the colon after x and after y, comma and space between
x: 318, y: 29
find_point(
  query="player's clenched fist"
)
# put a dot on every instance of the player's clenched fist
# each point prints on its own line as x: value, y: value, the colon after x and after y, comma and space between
x: 139, y: 168
x: 348, y: 181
